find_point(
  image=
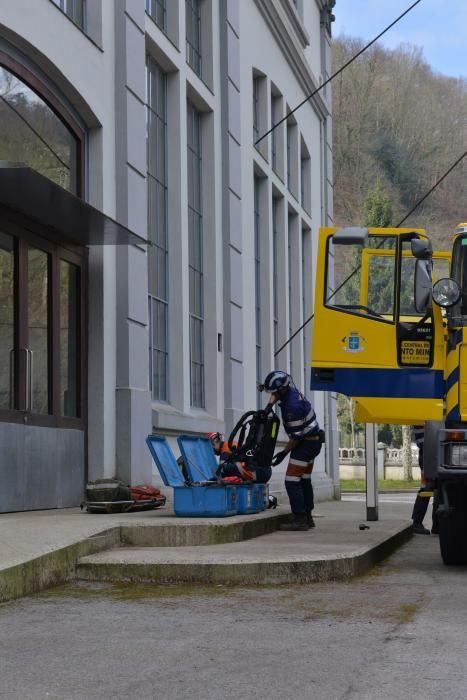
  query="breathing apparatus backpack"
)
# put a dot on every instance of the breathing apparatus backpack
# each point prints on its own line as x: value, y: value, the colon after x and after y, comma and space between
x: 253, y: 440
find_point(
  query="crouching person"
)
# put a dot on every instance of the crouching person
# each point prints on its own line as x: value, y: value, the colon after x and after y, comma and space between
x: 304, y: 445
x: 241, y: 470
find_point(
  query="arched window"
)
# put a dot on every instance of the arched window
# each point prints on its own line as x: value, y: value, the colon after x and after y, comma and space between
x: 33, y: 133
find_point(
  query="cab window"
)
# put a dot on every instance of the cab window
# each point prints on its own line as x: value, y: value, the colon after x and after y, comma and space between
x: 361, y: 279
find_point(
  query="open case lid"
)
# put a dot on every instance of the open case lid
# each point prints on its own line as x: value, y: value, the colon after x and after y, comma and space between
x: 198, y: 456
x: 170, y: 472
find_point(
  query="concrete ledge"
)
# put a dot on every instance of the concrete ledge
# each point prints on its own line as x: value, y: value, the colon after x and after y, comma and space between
x: 37, y: 564
x: 235, y: 565
x: 53, y: 568
x: 46, y: 548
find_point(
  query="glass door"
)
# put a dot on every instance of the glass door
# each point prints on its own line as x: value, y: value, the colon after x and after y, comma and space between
x: 7, y: 321
x: 36, y: 349
x: 41, y: 332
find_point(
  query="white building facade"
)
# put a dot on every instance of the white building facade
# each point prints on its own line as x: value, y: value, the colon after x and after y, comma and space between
x: 141, y: 117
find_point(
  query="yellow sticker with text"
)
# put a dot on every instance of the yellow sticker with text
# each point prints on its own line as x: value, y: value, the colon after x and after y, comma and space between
x: 415, y: 352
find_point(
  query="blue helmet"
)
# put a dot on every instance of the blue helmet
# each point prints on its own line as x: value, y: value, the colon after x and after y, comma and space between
x: 277, y: 379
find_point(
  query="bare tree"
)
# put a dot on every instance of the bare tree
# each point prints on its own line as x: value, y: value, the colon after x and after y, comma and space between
x: 407, y: 452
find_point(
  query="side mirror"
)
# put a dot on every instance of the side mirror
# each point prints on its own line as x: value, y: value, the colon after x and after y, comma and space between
x: 446, y: 292
x: 421, y: 248
x: 423, y: 286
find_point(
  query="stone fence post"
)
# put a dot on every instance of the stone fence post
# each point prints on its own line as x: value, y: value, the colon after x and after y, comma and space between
x: 381, y: 449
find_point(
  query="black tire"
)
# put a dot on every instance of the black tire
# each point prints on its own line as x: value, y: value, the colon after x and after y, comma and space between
x: 453, y: 538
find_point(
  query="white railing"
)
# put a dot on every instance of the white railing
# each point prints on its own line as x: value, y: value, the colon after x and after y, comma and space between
x: 352, y: 462
x: 392, y: 455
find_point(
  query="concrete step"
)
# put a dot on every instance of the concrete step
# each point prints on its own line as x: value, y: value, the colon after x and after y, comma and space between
x: 324, y: 553
x: 195, y: 532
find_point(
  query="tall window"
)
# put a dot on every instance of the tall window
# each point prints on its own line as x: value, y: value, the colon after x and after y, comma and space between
x: 75, y: 9
x: 273, y: 133
x: 69, y: 331
x: 157, y: 10
x: 305, y: 305
x: 193, y: 35
x: 256, y: 82
x: 275, y: 277
x: 157, y: 228
x: 257, y: 224
x: 290, y: 289
x: 195, y: 256
x: 305, y: 178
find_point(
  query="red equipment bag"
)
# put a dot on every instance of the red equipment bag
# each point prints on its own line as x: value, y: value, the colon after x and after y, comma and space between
x: 147, y: 493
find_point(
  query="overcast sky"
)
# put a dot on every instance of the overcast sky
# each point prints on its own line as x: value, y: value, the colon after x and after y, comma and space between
x: 438, y: 26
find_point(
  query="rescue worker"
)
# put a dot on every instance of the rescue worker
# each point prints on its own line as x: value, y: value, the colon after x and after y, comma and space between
x: 304, y: 445
x: 260, y: 475
x: 420, y: 506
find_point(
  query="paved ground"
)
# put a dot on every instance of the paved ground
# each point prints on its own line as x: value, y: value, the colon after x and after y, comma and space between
x: 393, y: 634
x: 336, y: 548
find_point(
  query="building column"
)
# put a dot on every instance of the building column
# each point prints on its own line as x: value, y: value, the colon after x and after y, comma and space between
x: 133, y: 401
x: 234, y: 370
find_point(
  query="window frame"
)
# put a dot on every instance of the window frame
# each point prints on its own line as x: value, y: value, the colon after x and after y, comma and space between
x: 30, y: 236
x: 149, y: 4
x: 257, y: 271
x: 23, y: 229
x: 63, y: 6
x: 195, y: 318
x: 155, y: 300
x: 43, y: 92
x: 334, y: 307
x: 194, y: 49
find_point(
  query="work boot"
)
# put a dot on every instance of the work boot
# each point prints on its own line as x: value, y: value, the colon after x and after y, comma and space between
x: 310, y: 521
x: 419, y: 529
x: 299, y: 523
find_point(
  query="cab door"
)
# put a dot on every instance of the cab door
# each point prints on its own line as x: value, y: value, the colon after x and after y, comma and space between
x: 370, y: 341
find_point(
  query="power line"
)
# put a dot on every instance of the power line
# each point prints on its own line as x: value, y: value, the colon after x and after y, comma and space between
x: 438, y: 182
x: 341, y: 69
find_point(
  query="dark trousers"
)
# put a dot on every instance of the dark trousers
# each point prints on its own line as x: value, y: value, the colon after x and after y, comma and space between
x: 420, y: 507
x: 300, y: 495
x: 421, y: 504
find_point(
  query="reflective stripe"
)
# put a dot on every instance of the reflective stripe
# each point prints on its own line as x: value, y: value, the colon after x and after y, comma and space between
x: 306, y: 432
x: 307, y: 427
x: 310, y: 416
x: 293, y: 478
x: 306, y: 476
x: 301, y: 424
x: 299, y: 462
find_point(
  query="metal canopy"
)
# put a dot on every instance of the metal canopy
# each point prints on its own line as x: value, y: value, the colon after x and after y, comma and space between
x: 66, y: 218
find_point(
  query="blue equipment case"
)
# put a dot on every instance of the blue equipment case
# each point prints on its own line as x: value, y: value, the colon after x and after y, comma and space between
x: 201, y: 464
x: 213, y: 500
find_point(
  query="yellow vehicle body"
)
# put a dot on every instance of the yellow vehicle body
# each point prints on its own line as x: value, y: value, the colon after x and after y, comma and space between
x: 390, y: 359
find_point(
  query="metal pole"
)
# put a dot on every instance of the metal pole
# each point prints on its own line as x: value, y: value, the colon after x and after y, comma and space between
x: 371, y: 472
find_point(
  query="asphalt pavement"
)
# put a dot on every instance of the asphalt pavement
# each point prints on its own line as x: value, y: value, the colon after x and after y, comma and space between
x: 392, y: 634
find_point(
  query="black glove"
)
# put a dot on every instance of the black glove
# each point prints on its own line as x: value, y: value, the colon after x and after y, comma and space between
x: 277, y: 459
